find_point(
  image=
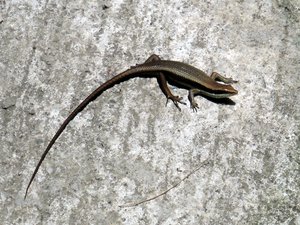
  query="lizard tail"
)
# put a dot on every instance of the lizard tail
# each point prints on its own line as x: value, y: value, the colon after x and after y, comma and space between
x: 133, y: 72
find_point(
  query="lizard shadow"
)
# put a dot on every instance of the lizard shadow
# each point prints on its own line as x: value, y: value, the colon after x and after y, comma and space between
x: 221, y: 101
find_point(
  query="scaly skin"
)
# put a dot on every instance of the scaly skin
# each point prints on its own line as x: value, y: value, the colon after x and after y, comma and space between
x: 191, y: 78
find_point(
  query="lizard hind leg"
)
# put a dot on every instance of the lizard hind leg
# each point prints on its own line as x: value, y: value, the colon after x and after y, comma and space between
x: 162, y: 81
x: 153, y: 58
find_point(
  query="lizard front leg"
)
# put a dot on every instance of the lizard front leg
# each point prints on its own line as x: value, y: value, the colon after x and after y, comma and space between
x: 218, y: 77
x: 194, y: 104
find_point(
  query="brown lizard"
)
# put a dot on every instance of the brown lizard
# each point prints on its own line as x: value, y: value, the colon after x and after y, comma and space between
x: 173, y: 72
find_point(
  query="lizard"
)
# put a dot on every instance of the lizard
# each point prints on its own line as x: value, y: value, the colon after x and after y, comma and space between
x: 167, y: 72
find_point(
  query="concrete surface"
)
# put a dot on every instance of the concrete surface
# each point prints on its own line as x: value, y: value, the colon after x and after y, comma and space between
x: 127, y: 146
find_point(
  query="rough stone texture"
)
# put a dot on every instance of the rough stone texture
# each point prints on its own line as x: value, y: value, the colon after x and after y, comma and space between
x: 127, y: 146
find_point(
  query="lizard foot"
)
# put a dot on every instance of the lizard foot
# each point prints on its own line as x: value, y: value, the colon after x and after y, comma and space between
x: 176, y: 100
x: 231, y: 81
x: 194, y: 106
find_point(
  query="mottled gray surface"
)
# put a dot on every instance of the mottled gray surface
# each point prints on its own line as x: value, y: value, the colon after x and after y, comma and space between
x: 127, y: 146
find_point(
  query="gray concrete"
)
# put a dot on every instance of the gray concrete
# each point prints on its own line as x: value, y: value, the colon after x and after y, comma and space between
x: 127, y: 146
